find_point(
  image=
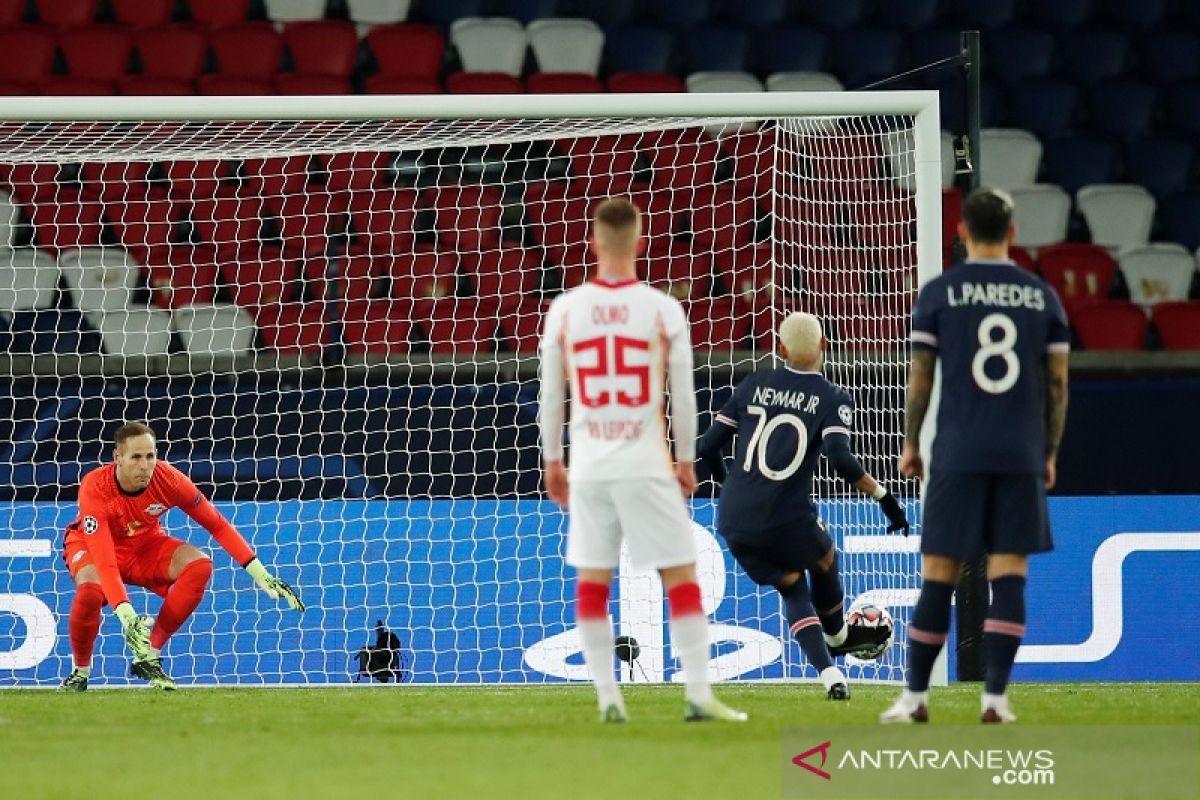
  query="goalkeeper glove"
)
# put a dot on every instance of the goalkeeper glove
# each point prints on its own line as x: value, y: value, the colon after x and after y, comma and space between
x: 273, y: 586
x: 136, y: 630
x: 892, y: 510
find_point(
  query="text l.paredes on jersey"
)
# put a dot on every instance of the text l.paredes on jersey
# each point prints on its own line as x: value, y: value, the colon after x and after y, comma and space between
x: 1003, y: 295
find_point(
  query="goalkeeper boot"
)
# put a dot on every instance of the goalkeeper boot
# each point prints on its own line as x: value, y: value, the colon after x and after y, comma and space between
x: 911, y: 707
x: 860, y: 639
x: 151, y: 670
x: 75, y: 682
x: 994, y: 709
x: 714, y: 709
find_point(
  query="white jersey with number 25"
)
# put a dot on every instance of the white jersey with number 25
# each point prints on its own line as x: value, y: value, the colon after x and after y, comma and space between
x: 619, y: 345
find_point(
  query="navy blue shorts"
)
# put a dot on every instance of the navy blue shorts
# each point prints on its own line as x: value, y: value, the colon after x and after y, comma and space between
x: 967, y: 515
x: 768, y: 556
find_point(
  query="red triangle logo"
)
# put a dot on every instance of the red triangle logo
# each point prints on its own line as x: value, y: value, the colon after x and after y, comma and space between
x: 823, y: 749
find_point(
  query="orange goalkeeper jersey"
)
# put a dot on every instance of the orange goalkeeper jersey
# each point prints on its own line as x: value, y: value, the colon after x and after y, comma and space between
x: 110, y: 518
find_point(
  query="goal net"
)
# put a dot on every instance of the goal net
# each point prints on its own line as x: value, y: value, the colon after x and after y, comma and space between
x: 330, y: 313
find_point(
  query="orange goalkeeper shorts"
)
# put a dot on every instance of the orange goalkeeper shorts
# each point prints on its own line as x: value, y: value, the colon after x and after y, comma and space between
x: 142, y: 560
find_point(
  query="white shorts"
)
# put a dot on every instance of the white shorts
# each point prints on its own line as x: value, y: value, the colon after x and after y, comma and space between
x: 648, y: 512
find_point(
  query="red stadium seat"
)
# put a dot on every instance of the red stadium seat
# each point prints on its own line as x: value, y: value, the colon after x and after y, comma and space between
x: 233, y: 85
x: 747, y: 271
x: 66, y: 13
x: 249, y: 50
x: 563, y: 83
x: 307, y: 220
x: 753, y: 155
x: 293, y: 327
x: 462, y: 325
x: 383, y: 220
x: 1021, y: 257
x: 33, y: 183
x: 146, y: 85
x: 645, y: 82
x: 361, y: 169
x: 399, y: 84
x: 28, y: 53
x: 172, y: 51
x: 603, y: 165
x: 261, y: 279
x: 275, y: 177
x: 559, y: 224
x: 380, y: 327
x: 219, y: 13
x: 1080, y: 273
x: 952, y: 201
x: 681, y: 274
x: 506, y: 276
x: 522, y: 329
x: 14, y: 89
x: 230, y: 224
x: 883, y: 220
x: 69, y: 221
x: 841, y: 158
x: 143, y: 13
x: 1178, y: 325
x: 359, y: 277
x: 1110, y: 326
x: 717, y: 324
x: 141, y: 225
x: 96, y: 52
x: 681, y: 160
x: 181, y: 275
x: 468, y: 217
x: 116, y: 181
x: 722, y: 218
x: 197, y: 180
x: 322, y: 47
x: 11, y: 12
x: 484, y: 83
x: 872, y: 327
x: 407, y: 50
x: 293, y: 83
x: 75, y: 87
x: 422, y: 276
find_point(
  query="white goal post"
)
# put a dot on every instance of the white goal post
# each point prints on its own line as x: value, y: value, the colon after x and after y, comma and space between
x: 328, y: 309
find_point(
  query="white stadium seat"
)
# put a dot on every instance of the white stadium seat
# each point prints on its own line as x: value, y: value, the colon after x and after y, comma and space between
x: 490, y: 44
x: 28, y: 279
x: 100, y: 278
x: 294, y: 10
x: 566, y: 45
x: 1118, y: 214
x: 8, y: 220
x: 378, y: 12
x: 133, y: 331
x: 1008, y: 158
x: 723, y: 82
x: 1041, y: 214
x: 803, y: 82
x: 217, y: 329
x: 1157, y: 273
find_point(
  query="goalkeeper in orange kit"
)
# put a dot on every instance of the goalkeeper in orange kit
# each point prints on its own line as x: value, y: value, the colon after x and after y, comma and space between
x: 117, y: 539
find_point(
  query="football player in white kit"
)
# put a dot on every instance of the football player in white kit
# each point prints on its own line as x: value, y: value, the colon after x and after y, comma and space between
x: 618, y: 342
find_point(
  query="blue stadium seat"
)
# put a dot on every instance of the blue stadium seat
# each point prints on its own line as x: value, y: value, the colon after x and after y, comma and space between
x: 791, y: 50
x: 1184, y: 101
x: 52, y: 331
x: 1161, y: 164
x: 713, y: 48
x: 1136, y: 14
x: 639, y: 48
x: 985, y: 14
x: 444, y: 12
x: 1171, y: 56
x: 1179, y: 214
x: 865, y: 55
x: 934, y: 44
x: 1064, y: 14
x: 952, y: 101
x: 1122, y: 107
x: 1095, y: 55
x: 911, y: 15
x: 1015, y: 54
x: 528, y: 10
x: 609, y: 13
x: 1076, y: 161
x: 1046, y: 106
x: 837, y: 15
x: 760, y: 13
x: 680, y: 14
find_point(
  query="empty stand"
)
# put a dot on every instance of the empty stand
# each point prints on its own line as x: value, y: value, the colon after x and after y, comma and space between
x: 407, y: 50
x: 1158, y: 273
x: 566, y: 45
x: 216, y: 329
x: 1009, y: 158
x: 1118, y: 215
x: 1080, y: 273
x: 493, y: 44
x: 1041, y: 214
x: 1178, y: 325
x: 322, y: 47
x: 1110, y: 326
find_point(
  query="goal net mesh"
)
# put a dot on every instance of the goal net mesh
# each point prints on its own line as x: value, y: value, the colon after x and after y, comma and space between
x: 332, y: 326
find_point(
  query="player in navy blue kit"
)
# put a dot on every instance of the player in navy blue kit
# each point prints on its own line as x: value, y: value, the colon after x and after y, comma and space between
x: 785, y: 418
x: 1002, y: 337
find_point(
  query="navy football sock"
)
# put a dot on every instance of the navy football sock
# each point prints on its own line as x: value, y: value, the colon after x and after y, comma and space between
x: 927, y: 632
x: 1003, y: 630
x: 805, y: 625
x: 828, y: 598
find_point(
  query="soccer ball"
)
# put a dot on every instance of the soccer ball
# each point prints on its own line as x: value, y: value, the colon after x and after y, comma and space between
x: 868, y: 615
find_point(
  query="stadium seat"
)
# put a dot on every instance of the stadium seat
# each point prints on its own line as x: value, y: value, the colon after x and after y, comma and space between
x: 883, y: 220
x: 196, y: 180
x: 791, y: 50
x: 803, y: 82
x: 721, y: 218
x: 639, y: 49
x: 1163, y: 165
x: 1045, y: 106
x: 261, y: 278
x: 747, y: 271
x: 219, y: 13
x: 681, y: 162
x: 864, y: 55
x: 461, y: 325
x: 422, y: 276
x: 504, y: 275
x: 307, y: 220
x: 1009, y: 158
x: 1017, y: 54
x: 494, y: 44
x: 366, y: 13
x: 65, y: 13
x: 11, y: 12
x: 563, y: 83
x: 1122, y: 107
x: 717, y: 324
x: 985, y: 14
x: 33, y: 183
x: 291, y: 83
x: 444, y: 13
x: 1157, y: 273
x: 604, y: 165
x: 285, y: 11
x: 408, y: 50
x: 1178, y: 325
x: 1118, y: 215
x: 483, y: 83
x: 9, y: 218
x: 1180, y: 212
x: 566, y: 45
x: 873, y: 327
x: 837, y: 15
x: 397, y: 84
x: 1080, y: 273
x: 681, y: 14
x: 248, y: 50
x: 1139, y: 15
x: 14, y: 89
x: 214, y: 329
x: 293, y: 328
x: 1171, y: 56
x: 645, y: 82
x: 233, y: 85
x: 1184, y: 103
x: 28, y: 53
x: 322, y: 47
x: 181, y: 275
x: 522, y: 329
x: 1110, y: 326
x: 761, y: 14
x: 952, y: 200
x: 714, y: 48
x: 560, y: 224
x: 353, y: 171
x: 1095, y: 55
x: 28, y: 279
x: 1064, y: 15
x: 230, y: 224
x: 359, y: 276
x: 172, y: 51
x: 52, y: 331
x: 142, y: 224
x: 1041, y: 214
x: 67, y: 86
x: 149, y: 86
x: 96, y: 52
x: 526, y: 11
x: 69, y: 221
x: 467, y: 218
x: 723, y: 82
x: 681, y: 274
x: 1023, y: 258
x: 378, y: 327
x: 143, y: 13
x: 100, y: 278
x: 133, y: 332
x: 1077, y: 161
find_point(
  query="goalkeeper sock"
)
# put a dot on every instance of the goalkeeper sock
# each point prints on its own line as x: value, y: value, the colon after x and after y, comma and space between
x: 596, y: 637
x: 1003, y: 630
x: 186, y: 593
x: 689, y: 639
x: 84, y: 623
x: 805, y: 625
x: 927, y: 632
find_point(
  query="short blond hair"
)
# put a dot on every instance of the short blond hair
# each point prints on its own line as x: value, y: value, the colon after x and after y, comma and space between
x: 801, y: 336
x: 618, y: 224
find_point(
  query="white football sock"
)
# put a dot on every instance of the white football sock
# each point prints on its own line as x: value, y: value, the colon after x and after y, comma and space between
x: 831, y: 676
x: 689, y: 641
x: 839, y: 638
x: 915, y: 699
x: 596, y: 636
x: 993, y: 701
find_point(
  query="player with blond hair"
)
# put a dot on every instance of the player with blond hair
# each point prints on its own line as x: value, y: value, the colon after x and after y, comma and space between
x: 784, y: 417
x: 619, y: 344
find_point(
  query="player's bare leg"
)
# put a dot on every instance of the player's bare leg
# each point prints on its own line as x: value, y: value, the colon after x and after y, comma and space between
x: 1002, y: 633
x: 596, y: 638
x: 806, y: 626
x: 690, y: 641
x: 84, y: 626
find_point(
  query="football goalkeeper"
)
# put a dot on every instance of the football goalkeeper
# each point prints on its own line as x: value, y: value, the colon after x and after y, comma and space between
x: 117, y: 539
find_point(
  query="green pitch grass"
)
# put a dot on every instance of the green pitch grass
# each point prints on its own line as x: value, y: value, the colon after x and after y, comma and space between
x: 410, y: 742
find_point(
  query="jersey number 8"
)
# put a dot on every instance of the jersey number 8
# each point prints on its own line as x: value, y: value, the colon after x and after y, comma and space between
x: 1001, y: 348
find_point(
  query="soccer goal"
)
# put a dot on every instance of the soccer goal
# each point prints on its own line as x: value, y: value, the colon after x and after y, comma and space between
x: 328, y: 309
